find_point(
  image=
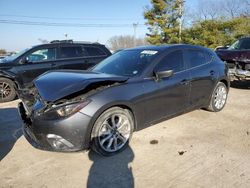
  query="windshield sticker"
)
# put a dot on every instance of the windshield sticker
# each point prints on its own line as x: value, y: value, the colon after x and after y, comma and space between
x: 149, y: 52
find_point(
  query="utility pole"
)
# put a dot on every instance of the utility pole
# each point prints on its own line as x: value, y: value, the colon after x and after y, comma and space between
x: 181, y: 12
x: 135, y: 25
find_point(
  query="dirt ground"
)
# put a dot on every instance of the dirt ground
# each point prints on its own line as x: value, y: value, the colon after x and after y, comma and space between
x: 197, y: 149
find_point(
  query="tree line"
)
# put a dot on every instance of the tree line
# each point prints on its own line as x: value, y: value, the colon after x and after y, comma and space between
x: 213, y: 22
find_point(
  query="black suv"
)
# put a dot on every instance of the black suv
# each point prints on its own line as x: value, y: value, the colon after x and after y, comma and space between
x: 19, y: 70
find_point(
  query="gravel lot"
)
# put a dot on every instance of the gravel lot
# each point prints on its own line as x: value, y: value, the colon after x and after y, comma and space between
x: 197, y: 149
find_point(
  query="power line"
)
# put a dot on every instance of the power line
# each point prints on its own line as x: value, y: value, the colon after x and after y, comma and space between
x: 64, y: 18
x: 56, y: 24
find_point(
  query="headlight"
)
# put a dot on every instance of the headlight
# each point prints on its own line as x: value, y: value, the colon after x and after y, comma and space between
x: 65, y: 110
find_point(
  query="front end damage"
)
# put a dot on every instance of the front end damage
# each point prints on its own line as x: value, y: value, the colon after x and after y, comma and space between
x: 58, y: 125
x: 239, y: 70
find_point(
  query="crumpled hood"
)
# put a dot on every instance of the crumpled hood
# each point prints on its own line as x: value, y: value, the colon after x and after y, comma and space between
x: 55, y: 85
x: 232, y: 55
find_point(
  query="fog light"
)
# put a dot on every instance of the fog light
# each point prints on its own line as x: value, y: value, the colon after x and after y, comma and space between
x: 58, y: 142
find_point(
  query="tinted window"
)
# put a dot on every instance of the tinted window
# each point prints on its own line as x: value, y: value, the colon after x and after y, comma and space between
x: 126, y: 62
x: 172, y: 61
x: 196, y: 58
x: 42, y: 55
x: 94, y: 51
x: 245, y: 44
x: 73, y: 51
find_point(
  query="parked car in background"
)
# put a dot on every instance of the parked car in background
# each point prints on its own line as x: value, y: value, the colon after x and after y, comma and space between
x: 128, y: 91
x: 18, y: 70
x: 237, y: 56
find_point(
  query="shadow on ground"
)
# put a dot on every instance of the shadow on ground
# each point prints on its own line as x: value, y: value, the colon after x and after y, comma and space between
x: 10, y: 130
x: 111, y: 171
x: 241, y: 84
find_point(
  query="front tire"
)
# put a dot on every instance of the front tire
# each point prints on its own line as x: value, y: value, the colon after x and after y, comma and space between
x: 7, y: 90
x: 112, y: 131
x: 218, y: 98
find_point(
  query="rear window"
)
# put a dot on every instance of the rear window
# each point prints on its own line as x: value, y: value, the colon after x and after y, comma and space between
x: 197, y: 57
x: 74, y: 51
x: 94, y: 51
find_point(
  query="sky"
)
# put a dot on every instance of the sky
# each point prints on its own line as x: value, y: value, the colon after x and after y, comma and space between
x: 81, y: 20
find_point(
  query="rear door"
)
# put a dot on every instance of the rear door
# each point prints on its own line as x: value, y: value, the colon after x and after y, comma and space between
x: 77, y: 56
x: 203, y: 75
x: 72, y: 56
x: 96, y: 55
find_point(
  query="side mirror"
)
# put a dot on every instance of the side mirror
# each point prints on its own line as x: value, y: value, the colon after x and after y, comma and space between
x: 163, y: 74
x: 24, y: 60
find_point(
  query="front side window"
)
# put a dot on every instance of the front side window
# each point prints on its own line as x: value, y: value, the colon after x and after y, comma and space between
x: 72, y: 52
x: 172, y: 61
x: 46, y: 54
x: 196, y: 58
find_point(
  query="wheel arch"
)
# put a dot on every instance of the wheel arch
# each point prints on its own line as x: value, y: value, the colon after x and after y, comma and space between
x: 123, y: 104
x: 224, y: 81
x: 4, y: 74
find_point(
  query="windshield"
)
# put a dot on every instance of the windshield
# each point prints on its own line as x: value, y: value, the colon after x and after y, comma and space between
x: 14, y: 56
x: 235, y: 45
x: 126, y: 62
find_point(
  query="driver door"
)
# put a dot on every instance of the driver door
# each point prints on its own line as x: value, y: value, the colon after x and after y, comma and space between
x: 36, y: 63
x: 171, y: 94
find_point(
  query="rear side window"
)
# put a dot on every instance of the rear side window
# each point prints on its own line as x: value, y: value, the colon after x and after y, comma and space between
x: 94, y: 51
x: 172, y: 61
x: 73, y: 52
x: 197, y: 57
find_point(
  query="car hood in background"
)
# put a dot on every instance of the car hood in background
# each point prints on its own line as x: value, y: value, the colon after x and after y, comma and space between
x: 56, y: 85
x: 233, y: 55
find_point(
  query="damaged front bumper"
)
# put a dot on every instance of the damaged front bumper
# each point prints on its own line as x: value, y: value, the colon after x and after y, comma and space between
x: 239, y: 74
x: 56, y: 135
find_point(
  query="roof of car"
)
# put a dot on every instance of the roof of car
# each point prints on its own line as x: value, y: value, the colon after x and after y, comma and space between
x: 163, y: 47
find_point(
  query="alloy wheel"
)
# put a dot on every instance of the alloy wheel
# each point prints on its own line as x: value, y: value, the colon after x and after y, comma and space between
x: 114, y: 132
x: 220, y: 97
x: 5, y: 90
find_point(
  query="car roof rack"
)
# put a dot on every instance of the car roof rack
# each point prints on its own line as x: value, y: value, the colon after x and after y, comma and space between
x: 71, y: 41
x: 61, y: 41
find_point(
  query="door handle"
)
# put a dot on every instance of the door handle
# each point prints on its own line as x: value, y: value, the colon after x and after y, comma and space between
x: 212, y: 72
x: 53, y: 64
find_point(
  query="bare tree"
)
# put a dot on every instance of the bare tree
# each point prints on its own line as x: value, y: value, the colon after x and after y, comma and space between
x: 216, y: 9
x: 232, y: 8
x: 208, y: 9
x: 246, y: 10
x: 121, y: 42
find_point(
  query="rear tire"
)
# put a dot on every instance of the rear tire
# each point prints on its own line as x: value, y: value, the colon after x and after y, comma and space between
x: 219, y: 98
x: 112, y: 131
x: 7, y: 90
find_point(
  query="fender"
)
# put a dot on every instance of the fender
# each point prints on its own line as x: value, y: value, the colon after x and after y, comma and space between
x: 124, y: 104
x: 9, y: 75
